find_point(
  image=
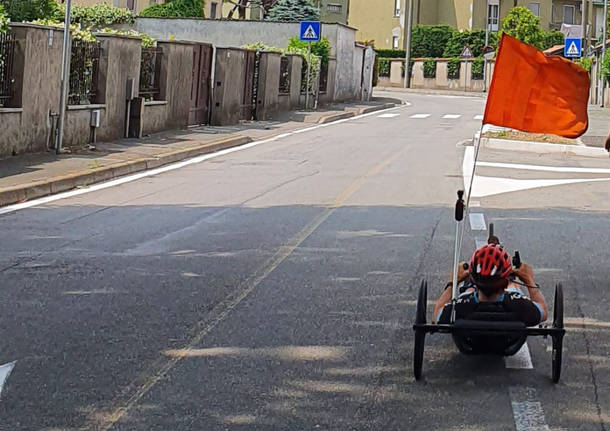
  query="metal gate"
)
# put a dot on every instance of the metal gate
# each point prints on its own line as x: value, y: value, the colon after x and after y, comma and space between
x: 250, y: 92
x: 200, y: 87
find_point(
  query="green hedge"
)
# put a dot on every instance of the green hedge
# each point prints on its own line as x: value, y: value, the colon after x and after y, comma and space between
x: 453, y: 68
x: 474, y: 39
x: 390, y: 53
x: 100, y: 15
x: 551, y: 38
x: 430, y: 68
x: 477, y: 68
x: 321, y: 48
x: 429, y: 40
x: 384, y: 66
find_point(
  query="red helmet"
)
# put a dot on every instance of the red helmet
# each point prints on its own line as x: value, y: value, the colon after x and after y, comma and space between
x: 490, y: 262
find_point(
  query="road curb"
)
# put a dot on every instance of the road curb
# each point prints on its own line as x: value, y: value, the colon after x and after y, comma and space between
x: 334, y: 117
x: 543, y: 148
x: 369, y: 109
x: 62, y: 183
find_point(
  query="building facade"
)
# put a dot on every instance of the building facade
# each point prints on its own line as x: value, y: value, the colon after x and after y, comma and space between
x: 383, y: 20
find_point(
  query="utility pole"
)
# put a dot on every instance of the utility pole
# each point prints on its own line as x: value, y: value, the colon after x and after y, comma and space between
x: 486, y: 45
x: 65, y: 77
x: 585, y: 25
x: 408, y: 31
x: 604, y: 37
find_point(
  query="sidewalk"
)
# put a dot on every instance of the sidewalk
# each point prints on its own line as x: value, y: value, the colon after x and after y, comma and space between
x: 433, y: 92
x: 29, y: 176
x: 599, y: 126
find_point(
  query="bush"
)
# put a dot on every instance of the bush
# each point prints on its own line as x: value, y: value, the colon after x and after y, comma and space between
x: 429, y: 40
x: 476, y: 71
x: 147, y: 41
x: 521, y: 23
x: 605, y: 67
x: 453, y: 68
x: 260, y: 46
x: 474, y: 39
x: 430, y: 68
x: 100, y: 15
x: 586, y: 63
x: 551, y: 38
x: 3, y: 21
x: 30, y: 10
x: 384, y: 67
x: 293, y: 11
x: 175, y: 9
x: 321, y: 48
x: 78, y: 33
x: 390, y: 53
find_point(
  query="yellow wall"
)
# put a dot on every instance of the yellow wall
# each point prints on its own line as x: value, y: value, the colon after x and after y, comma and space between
x: 375, y: 20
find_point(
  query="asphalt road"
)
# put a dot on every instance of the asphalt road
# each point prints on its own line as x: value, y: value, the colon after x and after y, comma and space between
x: 274, y: 289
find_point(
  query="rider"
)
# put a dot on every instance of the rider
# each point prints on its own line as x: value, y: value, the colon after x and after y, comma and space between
x: 487, y: 282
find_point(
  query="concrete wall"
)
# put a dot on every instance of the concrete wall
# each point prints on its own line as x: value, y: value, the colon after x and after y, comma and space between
x: 268, y: 85
x: 37, y: 83
x: 228, y: 86
x: 295, y: 80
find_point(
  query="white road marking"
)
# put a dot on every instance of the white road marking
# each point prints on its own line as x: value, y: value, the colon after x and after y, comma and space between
x: 527, y: 411
x: 545, y: 168
x: 477, y: 221
x: 388, y: 115
x: 5, y: 371
x: 489, y: 186
x: 521, y: 360
x: 419, y: 116
x: 477, y: 117
x: 451, y: 116
x: 195, y: 160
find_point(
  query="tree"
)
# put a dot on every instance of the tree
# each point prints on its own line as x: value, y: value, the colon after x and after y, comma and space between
x: 241, y: 6
x: 293, y: 11
x: 175, y: 9
x: 30, y: 10
x: 521, y: 23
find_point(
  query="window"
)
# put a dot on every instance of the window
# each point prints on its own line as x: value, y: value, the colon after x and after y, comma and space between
x: 568, y: 14
x: 493, y: 15
x: 395, y: 42
x: 213, y: 7
x: 334, y: 8
x: 535, y: 8
x: 397, y: 8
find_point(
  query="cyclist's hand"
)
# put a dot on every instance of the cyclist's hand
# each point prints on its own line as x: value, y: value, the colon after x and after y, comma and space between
x: 525, y: 274
x: 462, y: 272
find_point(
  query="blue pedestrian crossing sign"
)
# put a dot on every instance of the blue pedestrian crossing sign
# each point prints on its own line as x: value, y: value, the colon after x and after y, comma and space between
x: 310, y: 31
x: 572, y: 48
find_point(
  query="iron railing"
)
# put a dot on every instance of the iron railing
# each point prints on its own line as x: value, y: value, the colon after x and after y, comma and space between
x: 7, y: 60
x: 285, y: 75
x: 84, y: 67
x: 150, y: 72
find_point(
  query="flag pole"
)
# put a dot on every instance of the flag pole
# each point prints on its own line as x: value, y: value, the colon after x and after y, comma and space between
x: 474, y: 168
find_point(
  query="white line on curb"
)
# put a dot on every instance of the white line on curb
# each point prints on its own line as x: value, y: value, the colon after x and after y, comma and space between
x: 527, y: 411
x: 477, y: 221
x: 419, y: 116
x: 195, y: 160
x: 521, y: 360
x: 5, y: 371
x: 545, y: 168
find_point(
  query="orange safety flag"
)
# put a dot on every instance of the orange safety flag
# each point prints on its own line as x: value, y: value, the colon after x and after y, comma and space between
x: 534, y: 93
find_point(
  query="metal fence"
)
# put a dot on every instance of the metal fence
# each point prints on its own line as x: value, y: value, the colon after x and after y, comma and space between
x: 285, y: 75
x: 150, y: 72
x: 7, y: 59
x: 84, y: 66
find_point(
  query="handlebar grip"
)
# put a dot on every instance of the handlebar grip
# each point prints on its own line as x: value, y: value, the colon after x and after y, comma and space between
x: 517, y: 260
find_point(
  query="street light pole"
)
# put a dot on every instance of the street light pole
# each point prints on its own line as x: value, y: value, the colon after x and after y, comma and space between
x: 408, y: 31
x: 603, y: 78
x: 65, y: 78
x: 486, y: 45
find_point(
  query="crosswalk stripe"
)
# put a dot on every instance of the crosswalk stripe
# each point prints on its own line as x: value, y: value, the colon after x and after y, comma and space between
x: 419, y: 116
x: 388, y: 115
x: 478, y: 117
x: 452, y: 116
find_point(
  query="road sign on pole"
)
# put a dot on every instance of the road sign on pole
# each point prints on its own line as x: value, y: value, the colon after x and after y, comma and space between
x: 310, y: 32
x: 572, y: 48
